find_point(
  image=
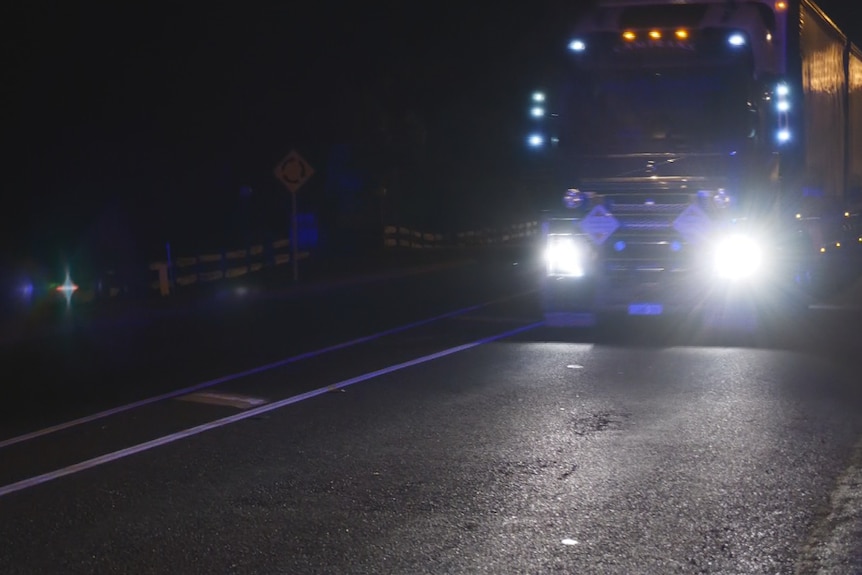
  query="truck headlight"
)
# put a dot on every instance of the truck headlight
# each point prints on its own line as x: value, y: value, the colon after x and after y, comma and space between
x: 566, y: 256
x: 738, y: 257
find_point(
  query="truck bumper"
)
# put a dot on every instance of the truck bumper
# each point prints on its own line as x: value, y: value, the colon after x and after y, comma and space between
x: 583, y: 302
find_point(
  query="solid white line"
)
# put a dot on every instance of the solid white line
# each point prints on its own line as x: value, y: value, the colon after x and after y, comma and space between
x: 231, y: 377
x: 96, y: 461
x: 253, y: 371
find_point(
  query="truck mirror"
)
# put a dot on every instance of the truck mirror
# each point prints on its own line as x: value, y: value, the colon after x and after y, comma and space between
x: 753, y: 122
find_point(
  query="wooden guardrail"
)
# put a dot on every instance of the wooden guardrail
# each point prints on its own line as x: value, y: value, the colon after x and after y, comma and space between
x: 404, y: 237
x: 207, y: 267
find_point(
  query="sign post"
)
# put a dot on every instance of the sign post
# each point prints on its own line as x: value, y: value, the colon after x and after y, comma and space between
x: 293, y: 171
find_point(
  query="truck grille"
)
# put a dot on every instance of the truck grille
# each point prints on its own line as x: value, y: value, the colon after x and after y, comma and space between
x: 646, y: 248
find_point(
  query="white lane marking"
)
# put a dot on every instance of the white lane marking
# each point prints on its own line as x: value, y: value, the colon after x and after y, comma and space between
x: 141, y: 447
x: 226, y: 399
x: 233, y: 376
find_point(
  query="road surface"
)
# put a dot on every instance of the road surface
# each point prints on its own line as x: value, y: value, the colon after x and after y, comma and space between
x: 430, y: 424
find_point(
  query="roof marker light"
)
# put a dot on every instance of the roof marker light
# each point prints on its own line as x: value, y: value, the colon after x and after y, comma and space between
x: 736, y: 40
x: 577, y: 46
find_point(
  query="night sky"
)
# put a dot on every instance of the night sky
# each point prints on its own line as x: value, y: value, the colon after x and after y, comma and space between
x: 144, y: 123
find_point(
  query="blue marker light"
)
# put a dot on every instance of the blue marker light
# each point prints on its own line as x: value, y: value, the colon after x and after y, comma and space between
x: 535, y: 141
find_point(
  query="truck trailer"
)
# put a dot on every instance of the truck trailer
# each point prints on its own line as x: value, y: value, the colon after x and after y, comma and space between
x: 696, y: 158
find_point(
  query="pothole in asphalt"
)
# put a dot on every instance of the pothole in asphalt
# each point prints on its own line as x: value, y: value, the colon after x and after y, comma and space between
x: 593, y: 423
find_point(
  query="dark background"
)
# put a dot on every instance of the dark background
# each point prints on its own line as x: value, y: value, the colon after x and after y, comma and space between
x: 135, y: 125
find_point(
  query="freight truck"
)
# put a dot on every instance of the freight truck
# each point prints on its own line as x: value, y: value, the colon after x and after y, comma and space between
x: 697, y: 157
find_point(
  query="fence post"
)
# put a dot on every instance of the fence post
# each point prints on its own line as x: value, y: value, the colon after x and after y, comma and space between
x: 171, y: 277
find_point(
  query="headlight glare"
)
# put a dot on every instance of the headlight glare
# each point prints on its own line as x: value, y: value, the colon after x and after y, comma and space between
x: 565, y: 257
x: 738, y: 257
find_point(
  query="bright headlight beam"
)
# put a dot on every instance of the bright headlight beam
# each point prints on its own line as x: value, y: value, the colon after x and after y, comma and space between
x: 564, y: 257
x: 738, y: 257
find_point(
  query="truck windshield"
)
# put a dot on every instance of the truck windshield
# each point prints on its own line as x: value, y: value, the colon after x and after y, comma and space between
x: 662, y: 110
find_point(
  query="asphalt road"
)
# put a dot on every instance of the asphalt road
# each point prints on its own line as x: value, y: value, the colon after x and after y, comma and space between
x: 430, y: 424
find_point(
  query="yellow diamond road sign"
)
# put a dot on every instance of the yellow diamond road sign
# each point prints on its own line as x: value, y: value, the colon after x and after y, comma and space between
x: 293, y: 171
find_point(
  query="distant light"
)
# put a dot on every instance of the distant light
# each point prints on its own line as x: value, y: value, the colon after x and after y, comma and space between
x: 769, y: 36
x: 629, y: 36
x: 535, y: 140
x: 555, y: 140
x: 781, y: 5
x: 655, y: 34
x: 782, y: 90
x: 783, y: 106
x: 26, y: 290
x: 736, y: 40
x: 67, y: 288
x: 682, y: 34
x: 675, y: 246
x: 577, y: 46
x: 620, y: 246
x: 537, y: 112
x: 538, y: 97
x: 783, y: 135
x: 798, y: 216
x: 846, y: 214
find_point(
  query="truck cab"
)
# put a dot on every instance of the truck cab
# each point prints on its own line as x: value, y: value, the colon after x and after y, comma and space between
x: 675, y: 149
